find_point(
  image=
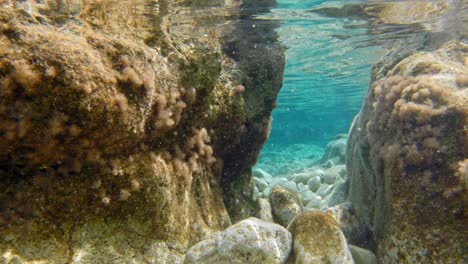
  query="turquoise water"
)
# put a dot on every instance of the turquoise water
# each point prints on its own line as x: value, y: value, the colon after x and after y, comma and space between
x: 329, y: 61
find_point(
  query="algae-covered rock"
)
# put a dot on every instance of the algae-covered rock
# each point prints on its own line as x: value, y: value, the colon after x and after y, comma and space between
x: 285, y: 205
x: 317, y: 238
x: 249, y: 241
x: 117, y: 119
x: 407, y: 158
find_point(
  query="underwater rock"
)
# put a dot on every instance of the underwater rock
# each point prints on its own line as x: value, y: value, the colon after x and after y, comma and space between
x: 324, y: 190
x: 362, y: 256
x: 317, y: 238
x: 285, y: 183
x: 285, y: 205
x: 261, y: 174
x: 302, y: 188
x: 335, y: 173
x: 121, y: 123
x: 261, y: 184
x: 338, y: 194
x: 308, y: 196
x: 314, y: 183
x: 264, y: 211
x: 353, y: 227
x: 315, y: 204
x: 407, y: 157
x: 249, y: 241
x: 336, y: 151
x: 301, y: 177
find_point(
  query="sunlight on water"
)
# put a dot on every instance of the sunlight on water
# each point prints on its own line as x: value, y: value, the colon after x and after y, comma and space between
x: 331, y: 47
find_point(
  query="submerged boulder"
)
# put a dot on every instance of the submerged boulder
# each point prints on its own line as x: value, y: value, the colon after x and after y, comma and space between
x: 317, y: 238
x: 407, y: 158
x: 121, y: 123
x: 285, y: 205
x: 251, y: 241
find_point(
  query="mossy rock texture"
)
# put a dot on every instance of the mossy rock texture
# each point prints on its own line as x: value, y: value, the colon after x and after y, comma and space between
x: 317, y: 238
x: 407, y: 158
x: 118, y: 120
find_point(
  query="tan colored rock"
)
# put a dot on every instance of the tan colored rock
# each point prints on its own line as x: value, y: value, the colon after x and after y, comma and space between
x: 116, y: 117
x: 285, y: 205
x: 406, y: 156
x: 317, y: 238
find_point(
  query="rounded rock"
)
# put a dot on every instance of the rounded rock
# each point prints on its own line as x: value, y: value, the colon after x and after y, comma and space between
x: 250, y: 241
x: 285, y: 205
x: 314, y: 183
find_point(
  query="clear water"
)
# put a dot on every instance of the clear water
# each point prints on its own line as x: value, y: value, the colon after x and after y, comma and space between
x: 329, y: 60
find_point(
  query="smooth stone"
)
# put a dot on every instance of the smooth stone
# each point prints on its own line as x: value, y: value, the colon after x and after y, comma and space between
x: 261, y: 174
x: 260, y: 183
x: 285, y: 183
x: 324, y: 190
x: 318, y: 239
x: 338, y: 194
x: 250, y: 241
x: 336, y: 150
x: 335, y: 173
x: 362, y: 256
x: 266, y: 192
x: 314, y: 183
x: 302, y: 188
x: 256, y: 190
x: 285, y: 205
x: 317, y: 203
x: 264, y: 212
x: 301, y: 177
x: 308, y: 196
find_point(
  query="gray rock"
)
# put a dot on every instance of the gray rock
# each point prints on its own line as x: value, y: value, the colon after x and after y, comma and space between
x: 301, y: 187
x: 329, y: 163
x: 336, y: 150
x: 260, y: 183
x: 256, y: 190
x: 338, y: 194
x: 301, y: 177
x: 314, y: 183
x: 250, y: 241
x: 285, y: 183
x: 362, y: 256
x: 324, y: 190
x: 285, y: 205
x: 265, y: 210
x: 317, y: 203
x: 308, y: 196
x: 261, y: 174
x: 266, y: 192
x: 334, y: 173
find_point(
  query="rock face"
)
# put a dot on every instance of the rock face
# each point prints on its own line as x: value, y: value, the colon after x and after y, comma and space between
x: 116, y: 119
x: 407, y: 158
x: 317, y: 238
x: 362, y: 256
x: 285, y: 205
x: 251, y: 241
x: 264, y: 210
